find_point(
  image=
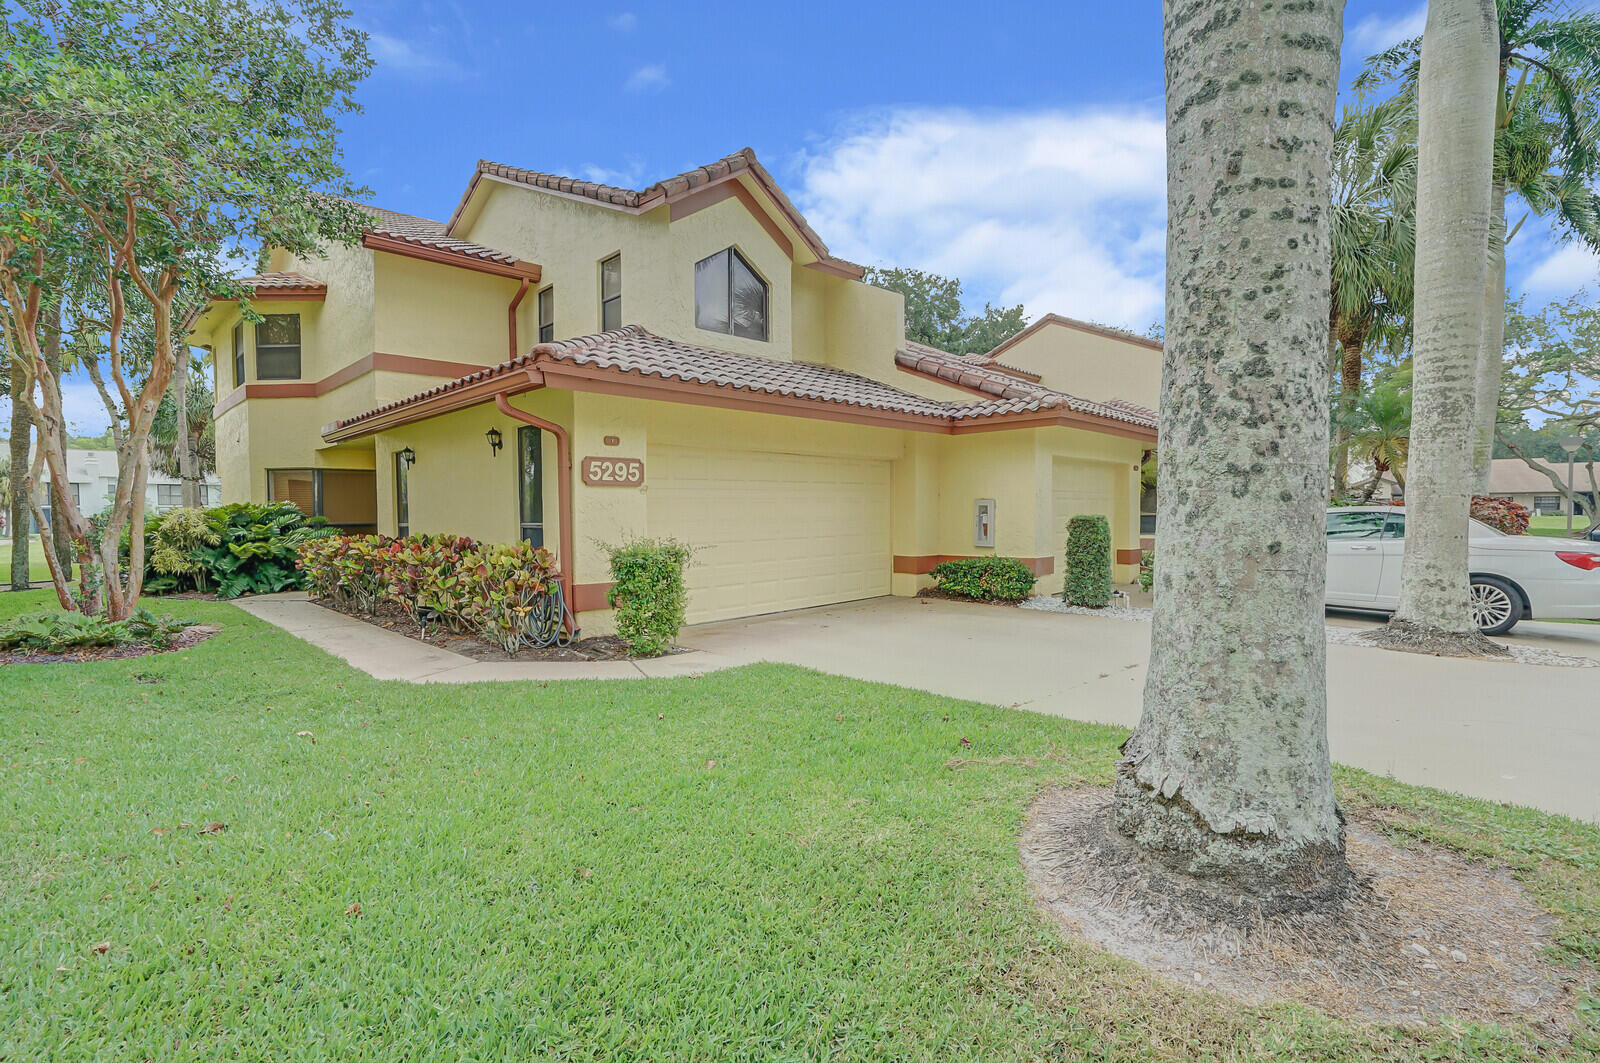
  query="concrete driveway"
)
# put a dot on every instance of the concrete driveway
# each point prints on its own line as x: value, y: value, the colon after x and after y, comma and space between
x: 1524, y: 734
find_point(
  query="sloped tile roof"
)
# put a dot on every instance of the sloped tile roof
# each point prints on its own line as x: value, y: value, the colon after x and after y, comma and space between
x: 669, y: 188
x: 632, y: 351
x: 426, y: 233
x: 979, y: 373
x: 282, y: 282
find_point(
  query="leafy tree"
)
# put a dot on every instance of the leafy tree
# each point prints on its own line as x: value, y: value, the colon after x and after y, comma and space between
x: 1546, y: 153
x: 145, y: 143
x: 1553, y: 372
x: 1227, y: 777
x: 1374, y: 246
x: 934, y: 313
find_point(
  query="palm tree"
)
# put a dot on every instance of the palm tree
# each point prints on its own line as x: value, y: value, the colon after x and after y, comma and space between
x: 1379, y: 423
x: 1547, y: 116
x: 165, y: 430
x: 1227, y: 776
x: 1455, y: 162
x: 1374, y: 185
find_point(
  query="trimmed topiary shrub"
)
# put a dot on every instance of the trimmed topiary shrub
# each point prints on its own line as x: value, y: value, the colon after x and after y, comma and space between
x: 986, y: 579
x: 648, y: 593
x: 1147, y: 570
x: 1088, y: 581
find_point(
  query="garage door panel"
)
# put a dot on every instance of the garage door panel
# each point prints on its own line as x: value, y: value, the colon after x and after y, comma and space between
x: 1082, y: 488
x: 772, y: 531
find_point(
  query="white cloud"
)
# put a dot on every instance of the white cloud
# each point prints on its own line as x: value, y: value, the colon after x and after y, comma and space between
x: 1377, y: 32
x: 396, y: 55
x: 623, y: 21
x: 1062, y: 211
x: 651, y: 78
x: 1570, y: 267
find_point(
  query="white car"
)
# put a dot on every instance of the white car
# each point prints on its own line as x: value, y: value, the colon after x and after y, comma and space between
x: 1514, y: 577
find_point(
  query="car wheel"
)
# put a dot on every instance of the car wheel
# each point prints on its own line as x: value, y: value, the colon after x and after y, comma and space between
x: 1496, y: 606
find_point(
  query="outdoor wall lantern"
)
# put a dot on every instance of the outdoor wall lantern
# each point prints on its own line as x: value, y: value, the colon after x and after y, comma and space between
x: 493, y: 436
x: 408, y: 456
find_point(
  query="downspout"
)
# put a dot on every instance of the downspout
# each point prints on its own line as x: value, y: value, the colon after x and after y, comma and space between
x: 563, y: 497
x: 511, y: 315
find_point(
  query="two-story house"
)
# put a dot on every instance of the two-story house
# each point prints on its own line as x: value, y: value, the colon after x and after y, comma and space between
x: 579, y: 365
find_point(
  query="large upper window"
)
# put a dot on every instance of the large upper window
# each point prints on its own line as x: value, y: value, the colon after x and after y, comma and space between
x: 238, y: 355
x: 611, y: 293
x: 278, y: 347
x: 547, y: 315
x: 729, y: 296
x: 530, y: 485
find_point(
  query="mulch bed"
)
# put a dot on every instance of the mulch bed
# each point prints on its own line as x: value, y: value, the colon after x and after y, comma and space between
x: 946, y: 596
x: 185, y: 639
x: 1425, y: 935
x: 391, y: 617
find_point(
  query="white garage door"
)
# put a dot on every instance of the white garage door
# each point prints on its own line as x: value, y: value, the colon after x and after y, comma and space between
x: 1082, y: 488
x: 772, y: 531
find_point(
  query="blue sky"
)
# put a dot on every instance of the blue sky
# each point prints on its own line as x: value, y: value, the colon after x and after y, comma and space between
x: 1018, y: 147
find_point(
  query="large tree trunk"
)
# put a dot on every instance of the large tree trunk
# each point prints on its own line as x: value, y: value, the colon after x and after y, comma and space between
x: 21, y: 431
x: 1456, y: 110
x: 1227, y: 776
x: 60, y: 494
x: 186, y: 458
x: 1491, y: 350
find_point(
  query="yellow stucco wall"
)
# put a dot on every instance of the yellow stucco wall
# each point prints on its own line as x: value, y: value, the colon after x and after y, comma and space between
x: 430, y: 310
x: 1089, y: 365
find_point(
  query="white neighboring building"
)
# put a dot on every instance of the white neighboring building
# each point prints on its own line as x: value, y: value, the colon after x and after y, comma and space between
x: 92, y: 475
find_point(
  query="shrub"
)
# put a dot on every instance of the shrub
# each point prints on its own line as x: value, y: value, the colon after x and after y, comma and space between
x: 499, y: 592
x: 172, y: 543
x: 1147, y: 570
x: 59, y: 631
x: 1501, y: 514
x: 1088, y: 581
x: 258, y: 546
x: 648, y: 593
x: 988, y: 579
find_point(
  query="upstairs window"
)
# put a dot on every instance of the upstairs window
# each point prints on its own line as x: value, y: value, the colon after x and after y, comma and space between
x: 278, y: 347
x: 611, y: 293
x: 729, y: 296
x: 547, y: 315
x: 238, y: 355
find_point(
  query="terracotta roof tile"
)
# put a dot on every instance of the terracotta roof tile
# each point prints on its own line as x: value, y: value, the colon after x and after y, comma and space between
x: 426, y: 233
x: 282, y: 281
x: 977, y: 373
x: 669, y: 188
x: 632, y: 350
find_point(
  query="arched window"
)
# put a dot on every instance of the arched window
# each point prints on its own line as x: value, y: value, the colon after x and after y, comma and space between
x: 729, y: 296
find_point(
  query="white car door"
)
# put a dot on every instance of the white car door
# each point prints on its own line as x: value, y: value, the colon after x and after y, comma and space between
x: 1355, y: 560
x: 1392, y: 548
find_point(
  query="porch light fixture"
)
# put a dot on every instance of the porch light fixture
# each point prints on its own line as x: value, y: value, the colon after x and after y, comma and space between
x: 493, y: 436
x: 408, y: 456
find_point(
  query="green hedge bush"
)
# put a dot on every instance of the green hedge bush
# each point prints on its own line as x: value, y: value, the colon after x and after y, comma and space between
x: 1088, y: 580
x: 495, y: 591
x: 987, y: 579
x: 648, y: 593
x: 1147, y: 570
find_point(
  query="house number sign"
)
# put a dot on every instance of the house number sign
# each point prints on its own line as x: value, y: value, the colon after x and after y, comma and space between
x: 612, y: 472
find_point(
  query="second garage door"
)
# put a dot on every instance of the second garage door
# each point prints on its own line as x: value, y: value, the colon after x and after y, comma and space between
x: 1082, y: 488
x: 772, y: 531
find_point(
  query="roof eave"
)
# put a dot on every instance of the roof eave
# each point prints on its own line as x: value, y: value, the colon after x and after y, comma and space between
x: 394, y: 245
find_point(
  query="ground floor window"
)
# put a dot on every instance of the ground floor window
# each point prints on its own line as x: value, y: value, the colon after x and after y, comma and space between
x: 169, y: 496
x: 530, y: 484
x: 346, y: 497
x: 402, y: 499
x: 1547, y: 504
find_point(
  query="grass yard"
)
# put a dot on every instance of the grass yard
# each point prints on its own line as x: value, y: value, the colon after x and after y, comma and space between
x: 37, y: 569
x: 764, y: 864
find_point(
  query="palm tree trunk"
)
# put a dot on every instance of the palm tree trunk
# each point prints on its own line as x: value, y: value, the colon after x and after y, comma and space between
x: 1491, y: 353
x: 21, y: 514
x: 1349, y: 389
x: 1227, y: 776
x: 186, y: 463
x: 1456, y: 109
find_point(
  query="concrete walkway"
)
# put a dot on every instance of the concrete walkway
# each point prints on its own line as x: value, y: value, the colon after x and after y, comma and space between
x: 1518, y: 733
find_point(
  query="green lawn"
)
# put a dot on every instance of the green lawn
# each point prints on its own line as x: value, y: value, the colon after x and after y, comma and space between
x: 764, y: 864
x: 1556, y: 526
x: 37, y: 569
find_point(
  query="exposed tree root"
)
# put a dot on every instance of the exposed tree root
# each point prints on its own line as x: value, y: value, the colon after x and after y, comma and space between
x: 1409, y: 637
x: 1420, y: 934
